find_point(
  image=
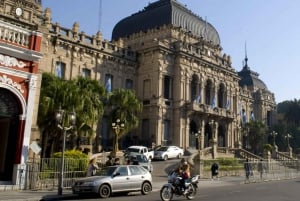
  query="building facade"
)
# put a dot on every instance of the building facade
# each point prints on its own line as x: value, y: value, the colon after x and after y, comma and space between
x: 192, y: 96
x: 19, y: 55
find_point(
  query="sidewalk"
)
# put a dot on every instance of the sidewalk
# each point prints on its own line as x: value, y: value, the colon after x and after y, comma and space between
x: 44, y: 195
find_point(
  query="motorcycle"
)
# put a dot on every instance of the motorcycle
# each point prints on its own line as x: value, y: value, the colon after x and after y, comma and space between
x: 173, y: 187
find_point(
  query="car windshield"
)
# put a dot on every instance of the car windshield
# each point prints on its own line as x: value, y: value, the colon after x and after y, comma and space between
x: 107, y: 171
x: 162, y: 149
x: 133, y: 150
x: 141, y: 158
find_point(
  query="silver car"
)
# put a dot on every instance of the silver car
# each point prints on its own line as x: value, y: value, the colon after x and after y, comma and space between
x: 113, y: 179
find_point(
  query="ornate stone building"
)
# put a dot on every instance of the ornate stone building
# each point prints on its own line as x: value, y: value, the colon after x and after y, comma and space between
x: 19, y: 55
x: 170, y: 56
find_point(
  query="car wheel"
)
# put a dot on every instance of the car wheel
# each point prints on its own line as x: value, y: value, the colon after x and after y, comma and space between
x: 104, y: 191
x: 146, y: 188
x: 166, y: 157
x: 179, y: 156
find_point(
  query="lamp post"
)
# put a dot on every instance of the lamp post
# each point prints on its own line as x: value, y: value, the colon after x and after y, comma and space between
x: 274, y: 136
x: 117, y: 126
x: 61, y: 124
x: 288, y: 136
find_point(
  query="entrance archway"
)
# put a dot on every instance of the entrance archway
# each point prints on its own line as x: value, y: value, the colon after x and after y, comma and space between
x: 193, y: 135
x: 9, y: 125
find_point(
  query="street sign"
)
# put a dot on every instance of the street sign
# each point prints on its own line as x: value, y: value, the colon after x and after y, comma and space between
x: 35, y: 147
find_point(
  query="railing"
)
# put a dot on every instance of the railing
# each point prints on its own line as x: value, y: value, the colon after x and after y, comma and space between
x: 44, y: 173
x: 242, y: 153
x: 13, y: 35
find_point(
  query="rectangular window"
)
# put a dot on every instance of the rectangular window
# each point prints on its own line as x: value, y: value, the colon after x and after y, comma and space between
x: 166, y: 132
x: 167, y: 87
x: 86, y: 72
x: 129, y: 84
x: 60, y: 69
x: 146, y: 89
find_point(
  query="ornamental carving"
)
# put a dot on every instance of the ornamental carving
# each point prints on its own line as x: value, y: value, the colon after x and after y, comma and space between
x: 11, y: 61
x: 4, y: 79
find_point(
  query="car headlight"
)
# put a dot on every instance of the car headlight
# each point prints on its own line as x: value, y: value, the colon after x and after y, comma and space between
x: 88, y: 183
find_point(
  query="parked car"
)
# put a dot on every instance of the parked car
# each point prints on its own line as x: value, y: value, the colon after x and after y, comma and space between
x: 113, y: 179
x: 136, y: 150
x: 142, y: 160
x: 166, y: 152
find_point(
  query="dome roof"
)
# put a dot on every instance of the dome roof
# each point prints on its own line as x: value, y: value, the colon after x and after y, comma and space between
x: 165, y: 12
x: 250, y: 78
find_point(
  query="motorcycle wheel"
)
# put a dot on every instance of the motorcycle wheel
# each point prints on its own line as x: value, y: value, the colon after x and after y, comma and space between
x: 192, y: 191
x: 166, y: 193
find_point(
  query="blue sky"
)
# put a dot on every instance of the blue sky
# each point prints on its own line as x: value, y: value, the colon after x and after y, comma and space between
x: 270, y: 28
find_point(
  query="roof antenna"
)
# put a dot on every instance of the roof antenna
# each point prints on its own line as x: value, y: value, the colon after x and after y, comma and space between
x: 100, y: 15
x: 246, y: 58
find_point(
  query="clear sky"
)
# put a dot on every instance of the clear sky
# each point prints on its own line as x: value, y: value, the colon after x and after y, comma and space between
x: 269, y: 28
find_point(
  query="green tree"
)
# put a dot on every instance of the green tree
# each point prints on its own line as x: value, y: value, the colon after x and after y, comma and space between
x: 125, y: 106
x: 256, y: 133
x: 82, y: 95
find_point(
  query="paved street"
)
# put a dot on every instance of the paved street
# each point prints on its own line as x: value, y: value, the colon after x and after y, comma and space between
x: 224, y: 189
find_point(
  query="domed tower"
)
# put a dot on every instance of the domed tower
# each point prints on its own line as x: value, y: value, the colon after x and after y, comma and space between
x: 165, y: 13
x: 263, y: 104
x: 183, y: 78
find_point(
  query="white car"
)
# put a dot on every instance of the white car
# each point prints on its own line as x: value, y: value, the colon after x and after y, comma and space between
x: 166, y: 152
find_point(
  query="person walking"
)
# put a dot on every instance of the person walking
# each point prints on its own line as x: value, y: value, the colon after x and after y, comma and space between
x: 247, y: 167
x: 214, y: 170
x: 109, y: 161
x: 92, y: 168
x: 260, y: 168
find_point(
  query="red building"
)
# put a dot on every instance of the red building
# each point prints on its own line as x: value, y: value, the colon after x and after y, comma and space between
x: 19, y: 55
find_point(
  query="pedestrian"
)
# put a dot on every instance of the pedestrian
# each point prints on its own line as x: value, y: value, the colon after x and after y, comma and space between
x: 117, y: 161
x: 214, y: 170
x: 109, y: 161
x: 260, y: 168
x: 92, y: 168
x: 247, y: 167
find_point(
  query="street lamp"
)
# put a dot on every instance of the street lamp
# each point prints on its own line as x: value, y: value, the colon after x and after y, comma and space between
x: 117, y: 126
x: 61, y: 124
x: 288, y: 136
x: 274, y: 135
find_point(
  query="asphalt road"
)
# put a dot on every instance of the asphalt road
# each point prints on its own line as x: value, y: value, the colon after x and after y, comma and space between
x: 284, y: 190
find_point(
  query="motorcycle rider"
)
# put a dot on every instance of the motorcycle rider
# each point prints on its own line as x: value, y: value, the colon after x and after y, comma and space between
x: 185, y: 175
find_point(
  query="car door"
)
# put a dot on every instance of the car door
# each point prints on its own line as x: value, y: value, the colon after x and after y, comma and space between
x: 137, y: 177
x: 121, y: 179
x: 171, y: 152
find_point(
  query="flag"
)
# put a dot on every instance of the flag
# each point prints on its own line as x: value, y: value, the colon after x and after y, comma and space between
x: 213, y: 103
x: 108, y: 85
x: 58, y: 70
x: 228, y: 104
x: 252, y: 116
x: 244, y: 117
x: 197, y: 100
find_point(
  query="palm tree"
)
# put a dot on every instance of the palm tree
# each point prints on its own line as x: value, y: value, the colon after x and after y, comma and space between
x: 124, y: 106
x: 82, y: 95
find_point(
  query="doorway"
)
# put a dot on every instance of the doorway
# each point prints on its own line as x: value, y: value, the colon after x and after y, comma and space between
x: 9, y: 126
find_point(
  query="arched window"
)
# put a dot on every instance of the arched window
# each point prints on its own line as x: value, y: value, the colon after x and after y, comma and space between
x: 195, y: 89
x: 208, y: 92
x: 221, y: 96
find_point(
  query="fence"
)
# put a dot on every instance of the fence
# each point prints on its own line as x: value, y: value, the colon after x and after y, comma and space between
x: 44, y: 173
